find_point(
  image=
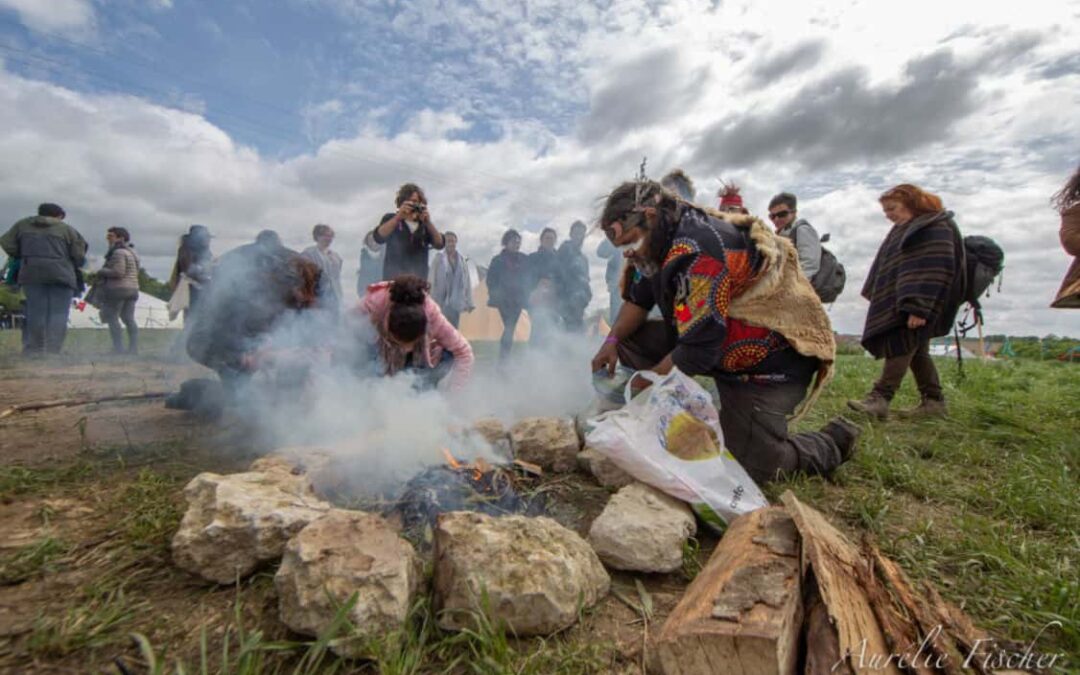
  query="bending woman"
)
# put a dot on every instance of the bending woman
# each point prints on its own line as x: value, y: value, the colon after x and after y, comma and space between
x: 411, y: 334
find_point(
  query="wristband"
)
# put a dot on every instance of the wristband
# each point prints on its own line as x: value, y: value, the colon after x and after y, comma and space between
x: 611, y: 340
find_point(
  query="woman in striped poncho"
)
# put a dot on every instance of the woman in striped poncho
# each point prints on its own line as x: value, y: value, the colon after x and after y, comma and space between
x: 914, y: 288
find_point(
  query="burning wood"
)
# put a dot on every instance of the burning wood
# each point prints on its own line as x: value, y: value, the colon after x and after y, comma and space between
x: 460, y: 486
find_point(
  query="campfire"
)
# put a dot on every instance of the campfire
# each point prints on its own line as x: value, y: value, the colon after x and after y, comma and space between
x: 474, y: 486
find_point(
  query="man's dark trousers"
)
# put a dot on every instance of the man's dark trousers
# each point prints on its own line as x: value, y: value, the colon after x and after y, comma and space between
x: 47, y: 307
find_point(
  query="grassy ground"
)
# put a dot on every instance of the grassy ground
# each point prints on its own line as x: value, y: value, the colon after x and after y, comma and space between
x: 983, y: 504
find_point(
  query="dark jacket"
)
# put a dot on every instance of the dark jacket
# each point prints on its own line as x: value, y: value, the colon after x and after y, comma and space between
x: 542, y: 265
x: 572, y: 276
x: 50, y: 251
x: 243, y: 302
x: 913, y: 274
x: 1069, y: 294
x: 406, y: 252
x: 508, y: 280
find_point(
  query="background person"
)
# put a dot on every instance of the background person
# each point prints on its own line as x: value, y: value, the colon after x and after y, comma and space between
x: 697, y: 269
x: 193, y: 261
x: 572, y: 288
x: 51, y: 254
x: 785, y: 218
x: 914, y: 291
x: 1067, y: 201
x: 612, y: 275
x: 371, y: 264
x: 451, y: 286
x: 329, y: 263
x: 730, y: 199
x: 120, y: 289
x: 542, y: 295
x: 508, y: 283
x: 410, y: 334
x: 408, y: 234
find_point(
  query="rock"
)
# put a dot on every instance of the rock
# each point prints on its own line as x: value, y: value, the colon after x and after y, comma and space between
x: 606, y: 472
x: 236, y: 522
x: 337, y: 555
x: 550, y: 442
x: 537, y: 574
x: 642, y: 530
x: 494, y: 434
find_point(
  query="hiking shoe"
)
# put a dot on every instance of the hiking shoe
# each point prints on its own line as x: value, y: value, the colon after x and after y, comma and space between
x: 845, y: 433
x: 874, y: 405
x: 929, y: 407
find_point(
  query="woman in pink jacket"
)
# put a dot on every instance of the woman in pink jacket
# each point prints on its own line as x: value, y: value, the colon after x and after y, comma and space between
x: 411, y: 334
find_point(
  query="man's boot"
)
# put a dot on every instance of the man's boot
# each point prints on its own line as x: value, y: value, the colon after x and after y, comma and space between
x: 873, y: 404
x: 927, y: 408
x: 844, y: 432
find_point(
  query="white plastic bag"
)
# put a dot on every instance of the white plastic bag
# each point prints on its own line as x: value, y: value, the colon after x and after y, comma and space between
x: 669, y: 437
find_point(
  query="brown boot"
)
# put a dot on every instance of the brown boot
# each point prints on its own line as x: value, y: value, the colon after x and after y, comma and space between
x: 873, y: 404
x: 929, y: 407
x: 844, y: 433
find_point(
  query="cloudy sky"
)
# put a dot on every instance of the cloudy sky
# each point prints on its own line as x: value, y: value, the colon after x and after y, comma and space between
x: 155, y: 114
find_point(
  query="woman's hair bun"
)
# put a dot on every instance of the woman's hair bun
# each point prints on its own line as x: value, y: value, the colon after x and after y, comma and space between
x: 408, y: 289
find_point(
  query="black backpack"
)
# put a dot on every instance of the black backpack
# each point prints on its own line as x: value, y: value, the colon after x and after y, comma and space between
x: 984, y: 260
x: 831, y: 276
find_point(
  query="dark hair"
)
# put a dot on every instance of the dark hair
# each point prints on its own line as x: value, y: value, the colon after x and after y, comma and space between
x: 622, y: 203
x: 303, y: 278
x: 1070, y: 194
x: 510, y: 234
x: 51, y: 211
x: 407, y: 320
x: 448, y: 233
x: 678, y: 182
x: 268, y: 238
x: 578, y: 223
x: 121, y: 233
x: 406, y: 191
x: 785, y: 198
x: 548, y: 229
x: 320, y: 229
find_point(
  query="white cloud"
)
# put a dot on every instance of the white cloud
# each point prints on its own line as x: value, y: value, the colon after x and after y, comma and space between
x: 120, y: 160
x: 69, y: 16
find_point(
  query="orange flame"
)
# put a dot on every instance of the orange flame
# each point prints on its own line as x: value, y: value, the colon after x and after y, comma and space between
x: 454, y: 464
x: 478, y: 469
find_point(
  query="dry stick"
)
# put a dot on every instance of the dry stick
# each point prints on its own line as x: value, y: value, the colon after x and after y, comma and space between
x: 67, y: 402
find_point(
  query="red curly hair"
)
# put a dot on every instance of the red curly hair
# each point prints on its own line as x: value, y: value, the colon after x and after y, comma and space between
x: 913, y: 198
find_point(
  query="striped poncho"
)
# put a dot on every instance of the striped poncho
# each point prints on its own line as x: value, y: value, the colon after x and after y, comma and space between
x: 915, y: 273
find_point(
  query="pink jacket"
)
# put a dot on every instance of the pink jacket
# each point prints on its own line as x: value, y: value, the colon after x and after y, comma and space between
x: 440, y: 334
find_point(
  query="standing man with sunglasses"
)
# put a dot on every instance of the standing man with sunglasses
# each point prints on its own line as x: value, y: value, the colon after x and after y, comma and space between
x: 784, y: 217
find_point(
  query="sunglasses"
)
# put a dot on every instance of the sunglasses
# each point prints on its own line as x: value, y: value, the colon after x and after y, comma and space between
x: 779, y: 214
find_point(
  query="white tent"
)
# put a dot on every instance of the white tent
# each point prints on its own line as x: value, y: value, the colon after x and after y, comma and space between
x: 150, y: 312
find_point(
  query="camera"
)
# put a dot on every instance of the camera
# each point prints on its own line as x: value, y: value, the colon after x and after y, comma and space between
x: 419, y: 208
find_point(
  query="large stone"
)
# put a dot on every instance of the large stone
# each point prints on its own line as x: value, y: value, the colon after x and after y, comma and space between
x: 234, y: 523
x: 536, y: 575
x: 642, y: 530
x: 494, y: 434
x: 337, y: 555
x: 550, y: 442
x: 606, y: 472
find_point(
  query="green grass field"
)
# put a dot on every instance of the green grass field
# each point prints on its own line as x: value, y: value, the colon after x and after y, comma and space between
x: 983, y: 504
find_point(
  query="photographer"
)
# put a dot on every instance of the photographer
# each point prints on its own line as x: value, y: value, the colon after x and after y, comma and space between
x: 407, y: 234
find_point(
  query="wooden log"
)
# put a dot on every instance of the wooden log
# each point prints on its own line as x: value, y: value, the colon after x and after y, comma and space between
x: 67, y: 402
x: 742, y: 614
x: 823, y: 655
x: 837, y: 565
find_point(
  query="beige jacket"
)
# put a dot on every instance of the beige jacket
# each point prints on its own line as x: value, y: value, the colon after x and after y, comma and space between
x: 1069, y: 293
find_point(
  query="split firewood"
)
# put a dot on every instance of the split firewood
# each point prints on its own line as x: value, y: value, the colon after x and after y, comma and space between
x: 901, y: 631
x: 743, y: 611
x: 938, y: 647
x: 838, y: 566
x: 70, y: 402
x: 823, y: 656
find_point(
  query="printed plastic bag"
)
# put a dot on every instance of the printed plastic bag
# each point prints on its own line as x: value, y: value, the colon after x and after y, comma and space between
x: 669, y: 437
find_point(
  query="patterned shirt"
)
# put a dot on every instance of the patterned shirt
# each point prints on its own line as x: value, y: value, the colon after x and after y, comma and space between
x: 710, y: 262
